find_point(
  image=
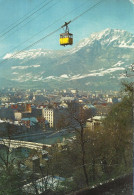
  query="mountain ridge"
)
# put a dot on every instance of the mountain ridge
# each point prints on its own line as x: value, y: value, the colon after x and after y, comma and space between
x: 94, y: 60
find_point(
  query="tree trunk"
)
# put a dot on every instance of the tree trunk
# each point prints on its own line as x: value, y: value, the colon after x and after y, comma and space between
x: 83, y: 156
x: 93, y: 169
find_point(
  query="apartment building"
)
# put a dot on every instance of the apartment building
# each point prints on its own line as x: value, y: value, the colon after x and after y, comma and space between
x: 56, y: 117
x: 49, y: 115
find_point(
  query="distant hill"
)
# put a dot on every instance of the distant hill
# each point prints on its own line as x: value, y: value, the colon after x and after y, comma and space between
x: 96, y: 63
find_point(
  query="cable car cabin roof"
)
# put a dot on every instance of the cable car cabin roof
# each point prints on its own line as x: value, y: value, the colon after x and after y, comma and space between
x: 65, y: 34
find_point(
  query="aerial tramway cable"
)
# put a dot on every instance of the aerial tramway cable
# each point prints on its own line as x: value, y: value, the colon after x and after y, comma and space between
x: 25, y: 19
x: 36, y: 42
x: 19, y: 19
x: 33, y: 18
x: 28, y: 21
x: 90, y: 8
x: 43, y: 28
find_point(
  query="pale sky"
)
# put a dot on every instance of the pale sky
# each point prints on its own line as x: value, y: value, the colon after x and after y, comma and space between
x: 116, y: 14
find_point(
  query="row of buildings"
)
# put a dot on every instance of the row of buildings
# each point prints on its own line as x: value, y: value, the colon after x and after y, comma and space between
x: 52, y: 109
x: 56, y: 116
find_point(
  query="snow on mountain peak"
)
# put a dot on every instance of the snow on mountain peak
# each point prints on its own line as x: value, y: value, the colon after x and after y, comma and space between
x: 119, y: 38
x: 107, y: 37
x: 116, y: 37
x: 132, y: 1
x: 32, y: 53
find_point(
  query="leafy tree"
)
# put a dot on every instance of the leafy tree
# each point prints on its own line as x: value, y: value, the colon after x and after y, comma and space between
x: 11, y: 184
x: 11, y: 175
x: 107, y: 150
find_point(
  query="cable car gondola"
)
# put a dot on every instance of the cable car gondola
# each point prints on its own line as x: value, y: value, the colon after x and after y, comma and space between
x: 66, y: 38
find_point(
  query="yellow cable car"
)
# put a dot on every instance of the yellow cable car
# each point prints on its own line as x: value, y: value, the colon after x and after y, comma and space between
x: 66, y: 38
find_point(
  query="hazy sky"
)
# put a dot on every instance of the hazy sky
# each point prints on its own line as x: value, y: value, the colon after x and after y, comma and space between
x: 118, y: 14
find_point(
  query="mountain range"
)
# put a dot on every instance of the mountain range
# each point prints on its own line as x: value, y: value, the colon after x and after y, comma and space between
x: 96, y: 63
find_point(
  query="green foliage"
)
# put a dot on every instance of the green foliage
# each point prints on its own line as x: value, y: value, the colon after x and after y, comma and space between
x: 10, y: 184
x: 11, y: 175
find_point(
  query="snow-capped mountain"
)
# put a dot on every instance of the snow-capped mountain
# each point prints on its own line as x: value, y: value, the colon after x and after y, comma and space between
x: 97, y: 62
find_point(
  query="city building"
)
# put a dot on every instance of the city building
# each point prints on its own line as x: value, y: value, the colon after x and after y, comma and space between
x: 18, y: 116
x: 49, y: 115
x: 56, y: 117
x: 94, y: 122
x: 29, y: 122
